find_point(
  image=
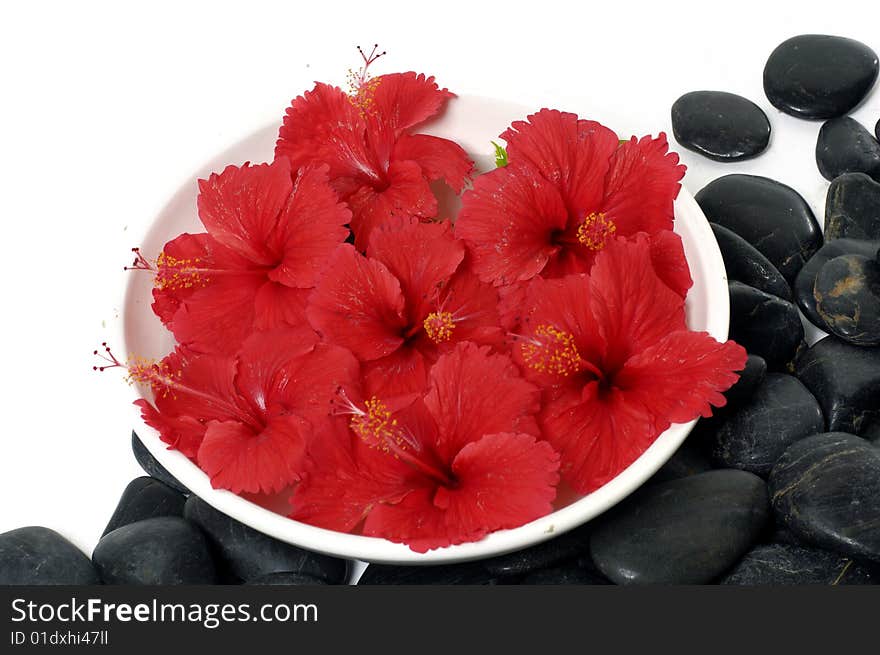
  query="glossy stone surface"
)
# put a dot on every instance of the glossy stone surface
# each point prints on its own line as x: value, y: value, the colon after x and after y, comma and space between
x: 285, y: 579
x: 152, y: 467
x: 689, y: 459
x: 750, y: 379
x: 719, y: 125
x: 145, y: 498
x: 826, y: 489
x: 847, y: 293
x: 247, y: 554
x: 806, y: 279
x: 544, y: 555
x: 764, y: 325
x: 819, y: 76
x: 744, y: 263
x: 686, y: 531
x: 781, y: 412
x: 852, y: 207
x: 845, y: 146
x: 444, y: 574
x: 786, y: 564
x: 35, y: 555
x: 771, y: 216
x: 846, y: 381
x: 165, y: 550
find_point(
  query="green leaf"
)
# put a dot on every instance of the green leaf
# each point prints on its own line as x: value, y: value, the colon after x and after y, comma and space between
x: 500, y: 155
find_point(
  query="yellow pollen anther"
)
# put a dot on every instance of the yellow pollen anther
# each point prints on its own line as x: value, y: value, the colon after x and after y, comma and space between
x: 439, y: 326
x: 157, y: 374
x: 376, y: 427
x: 595, y: 230
x: 175, y: 274
x: 552, y: 351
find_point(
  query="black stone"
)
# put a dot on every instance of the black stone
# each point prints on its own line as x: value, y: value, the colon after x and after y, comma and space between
x: 806, y: 279
x: 845, y: 146
x: 544, y: 555
x: 285, y: 579
x: 246, y: 554
x: 689, y: 459
x: 470, y: 573
x: 847, y: 293
x: 852, y: 208
x: 846, y: 381
x: 750, y: 378
x: 165, y: 550
x: 686, y: 531
x: 564, y: 575
x: 744, y: 263
x: 786, y: 564
x: 771, y: 216
x: 719, y: 125
x: 781, y: 412
x: 152, y: 467
x: 819, y: 76
x: 877, y: 130
x: 145, y: 498
x: 826, y: 489
x: 764, y: 325
x: 39, y: 556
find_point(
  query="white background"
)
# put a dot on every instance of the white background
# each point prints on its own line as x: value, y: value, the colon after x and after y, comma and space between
x: 105, y: 109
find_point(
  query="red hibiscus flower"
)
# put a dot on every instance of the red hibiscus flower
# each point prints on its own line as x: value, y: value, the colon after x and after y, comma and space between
x: 452, y: 466
x: 617, y: 363
x: 269, y: 233
x: 377, y: 165
x: 568, y: 190
x: 246, y: 419
x: 412, y: 298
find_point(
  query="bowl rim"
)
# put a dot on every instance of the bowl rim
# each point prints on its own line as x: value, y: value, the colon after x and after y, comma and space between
x: 378, y: 550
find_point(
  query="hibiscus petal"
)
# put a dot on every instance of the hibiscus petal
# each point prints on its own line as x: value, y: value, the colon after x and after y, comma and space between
x: 631, y: 305
x: 569, y: 152
x: 239, y: 460
x: 402, y: 372
x: 406, y: 193
x: 438, y: 158
x: 310, y: 227
x: 422, y: 256
x: 503, y: 481
x: 279, y: 306
x: 641, y: 184
x: 474, y: 393
x: 670, y: 263
x: 241, y: 205
x: 474, y: 308
x: 307, y: 384
x: 358, y: 304
x: 598, y: 434
x: 403, y: 100
x: 183, y: 433
x: 509, y: 220
x: 681, y: 377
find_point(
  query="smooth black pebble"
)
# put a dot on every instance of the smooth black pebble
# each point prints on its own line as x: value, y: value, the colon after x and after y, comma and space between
x: 846, y: 381
x: 245, y: 553
x: 781, y: 412
x: 151, y: 465
x: 470, y: 573
x: 845, y: 146
x: 826, y: 489
x: 544, y: 555
x: 819, y: 76
x: 764, y: 325
x: 689, y: 459
x: 286, y: 579
x: 719, y: 125
x: 847, y: 293
x: 145, y: 498
x: 852, y: 208
x: 744, y: 263
x: 165, y: 550
x: 787, y: 564
x: 687, y: 531
x: 564, y: 575
x: 806, y: 279
x: 35, y: 555
x: 771, y: 216
x: 750, y: 379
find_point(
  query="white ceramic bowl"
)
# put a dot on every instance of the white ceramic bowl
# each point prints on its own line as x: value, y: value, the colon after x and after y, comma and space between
x: 473, y: 122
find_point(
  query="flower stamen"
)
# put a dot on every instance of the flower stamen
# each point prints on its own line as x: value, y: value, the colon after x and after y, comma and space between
x: 361, y: 86
x: 551, y: 350
x: 595, y: 231
x: 439, y: 326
